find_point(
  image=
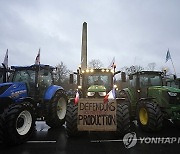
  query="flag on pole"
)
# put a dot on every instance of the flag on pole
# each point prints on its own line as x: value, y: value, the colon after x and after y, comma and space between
x: 5, y: 63
x: 110, y: 96
x: 112, y: 64
x: 37, y: 60
x: 168, y: 56
x: 76, y: 100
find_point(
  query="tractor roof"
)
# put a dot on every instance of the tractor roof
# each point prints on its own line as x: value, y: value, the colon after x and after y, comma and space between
x: 32, y: 67
x: 148, y: 72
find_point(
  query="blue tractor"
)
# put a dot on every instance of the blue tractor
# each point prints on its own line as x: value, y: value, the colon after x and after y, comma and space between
x: 30, y: 95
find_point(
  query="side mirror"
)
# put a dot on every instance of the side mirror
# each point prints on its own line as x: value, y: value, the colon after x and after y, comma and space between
x: 123, y: 76
x: 174, y: 76
x: 71, y: 79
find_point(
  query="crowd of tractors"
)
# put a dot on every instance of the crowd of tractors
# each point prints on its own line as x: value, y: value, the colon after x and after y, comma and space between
x: 28, y: 94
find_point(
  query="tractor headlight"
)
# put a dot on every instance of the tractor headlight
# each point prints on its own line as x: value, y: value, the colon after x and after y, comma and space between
x: 90, y: 93
x: 79, y: 87
x: 102, y: 93
x: 172, y: 94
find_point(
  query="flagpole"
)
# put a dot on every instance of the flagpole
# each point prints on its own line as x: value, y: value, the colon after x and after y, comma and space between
x: 173, y: 66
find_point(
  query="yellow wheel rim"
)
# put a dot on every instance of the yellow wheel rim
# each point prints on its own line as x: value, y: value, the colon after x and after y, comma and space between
x: 143, y: 116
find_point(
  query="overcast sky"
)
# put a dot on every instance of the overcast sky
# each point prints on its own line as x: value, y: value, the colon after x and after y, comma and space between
x: 135, y: 32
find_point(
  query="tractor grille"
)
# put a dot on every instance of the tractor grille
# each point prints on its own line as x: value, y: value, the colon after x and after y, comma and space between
x: 175, y: 100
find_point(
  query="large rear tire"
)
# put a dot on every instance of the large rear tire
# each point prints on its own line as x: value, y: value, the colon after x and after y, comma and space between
x: 123, y: 119
x: 20, y: 123
x: 149, y: 116
x: 56, y: 110
x: 71, y: 119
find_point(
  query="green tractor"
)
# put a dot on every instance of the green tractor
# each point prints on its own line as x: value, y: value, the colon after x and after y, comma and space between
x: 150, y: 102
x: 91, y: 113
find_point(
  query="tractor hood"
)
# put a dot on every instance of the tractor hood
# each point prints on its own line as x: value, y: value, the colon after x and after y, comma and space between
x: 4, y: 87
x: 3, y: 84
x: 97, y: 88
x: 165, y: 88
x: 13, y: 89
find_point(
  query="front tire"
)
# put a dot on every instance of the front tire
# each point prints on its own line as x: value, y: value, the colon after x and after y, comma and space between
x: 123, y: 119
x: 56, y: 110
x: 149, y: 116
x: 20, y: 123
x: 71, y: 119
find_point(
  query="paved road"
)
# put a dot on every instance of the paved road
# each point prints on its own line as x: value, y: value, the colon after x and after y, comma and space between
x: 55, y: 141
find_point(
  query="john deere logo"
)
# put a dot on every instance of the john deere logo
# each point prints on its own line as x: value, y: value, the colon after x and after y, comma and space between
x: 130, y: 140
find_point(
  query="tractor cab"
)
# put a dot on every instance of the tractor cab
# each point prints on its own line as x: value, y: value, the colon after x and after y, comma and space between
x: 141, y: 81
x: 36, y: 77
x: 96, y: 82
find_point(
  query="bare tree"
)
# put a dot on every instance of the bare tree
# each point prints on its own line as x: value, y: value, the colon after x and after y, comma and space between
x: 95, y: 63
x: 133, y: 69
x: 61, y: 73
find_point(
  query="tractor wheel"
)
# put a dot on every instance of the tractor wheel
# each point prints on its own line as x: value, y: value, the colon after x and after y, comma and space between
x: 71, y: 119
x: 20, y: 123
x: 56, y: 110
x: 149, y: 116
x: 123, y: 119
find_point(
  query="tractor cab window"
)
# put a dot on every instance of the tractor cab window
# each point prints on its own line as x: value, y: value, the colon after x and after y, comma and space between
x: 45, y: 79
x: 98, y: 79
x: 150, y: 80
x: 132, y: 82
x: 174, y: 84
x: 26, y: 76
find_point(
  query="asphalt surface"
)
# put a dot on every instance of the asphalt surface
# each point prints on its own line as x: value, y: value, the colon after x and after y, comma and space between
x: 56, y: 141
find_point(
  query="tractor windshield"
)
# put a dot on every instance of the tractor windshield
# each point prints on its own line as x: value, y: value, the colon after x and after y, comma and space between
x: 150, y: 80
x: 26, y: 76
x: 45, y: 78
x: 98, y: 79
